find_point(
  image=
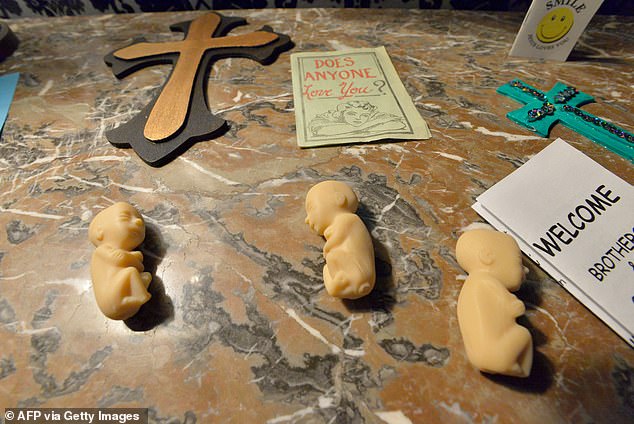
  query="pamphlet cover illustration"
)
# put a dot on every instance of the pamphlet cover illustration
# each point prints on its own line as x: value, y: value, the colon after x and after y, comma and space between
x: 351, y: 96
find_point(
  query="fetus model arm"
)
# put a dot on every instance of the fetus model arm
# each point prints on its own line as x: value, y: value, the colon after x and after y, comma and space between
x: 120, y: 257
x: 493, y: 340
x: 119, y: 283
x: 349, y: 271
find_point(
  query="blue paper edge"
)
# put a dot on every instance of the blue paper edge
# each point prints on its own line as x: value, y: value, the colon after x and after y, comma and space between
x: 8, y: 83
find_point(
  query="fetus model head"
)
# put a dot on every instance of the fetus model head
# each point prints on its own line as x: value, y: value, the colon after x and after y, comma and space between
x: 492, y: 252
x: 119, y: 225
x: 325, y: 201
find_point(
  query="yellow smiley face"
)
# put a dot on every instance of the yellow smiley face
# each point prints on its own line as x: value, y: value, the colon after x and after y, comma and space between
x: 555, y: 24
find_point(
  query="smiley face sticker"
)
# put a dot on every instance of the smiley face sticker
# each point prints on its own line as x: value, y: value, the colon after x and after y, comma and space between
x: 555, y: 25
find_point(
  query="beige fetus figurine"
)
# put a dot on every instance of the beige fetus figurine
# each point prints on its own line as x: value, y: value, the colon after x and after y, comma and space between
x: 349, y: 271
x: 493, y: 340
x: 118, y: 280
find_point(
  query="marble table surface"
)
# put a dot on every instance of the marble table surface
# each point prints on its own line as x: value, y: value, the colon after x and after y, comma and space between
x: 240, y: 328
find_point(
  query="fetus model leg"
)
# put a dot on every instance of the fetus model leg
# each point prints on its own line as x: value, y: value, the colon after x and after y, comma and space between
x: 519, y: 343
x: 340, y: 283
x: 349, y: 271
x: 133, y: 286
x: 487, y: 310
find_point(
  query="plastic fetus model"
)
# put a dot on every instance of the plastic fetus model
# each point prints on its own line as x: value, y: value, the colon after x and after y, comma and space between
x: 349, y: 271
x: 493, y: 340
x: 118, y: 280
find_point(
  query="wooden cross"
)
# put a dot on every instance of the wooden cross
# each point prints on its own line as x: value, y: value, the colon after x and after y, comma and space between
x: 562, y: 104
x: 180, y: 112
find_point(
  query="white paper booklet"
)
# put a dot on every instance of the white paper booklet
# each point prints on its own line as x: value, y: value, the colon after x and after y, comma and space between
x: 575, y: 219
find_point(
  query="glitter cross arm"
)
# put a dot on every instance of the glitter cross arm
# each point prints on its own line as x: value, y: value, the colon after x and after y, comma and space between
x: 601, y: 131
x: 526, y: 94
x: 522, y: 92
x: 562, y: 104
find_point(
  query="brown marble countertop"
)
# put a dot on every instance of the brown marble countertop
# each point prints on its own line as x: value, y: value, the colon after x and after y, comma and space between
x: 240, y: 329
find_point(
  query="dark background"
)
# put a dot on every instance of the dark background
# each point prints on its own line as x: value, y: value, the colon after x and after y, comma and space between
x: 29, y: 8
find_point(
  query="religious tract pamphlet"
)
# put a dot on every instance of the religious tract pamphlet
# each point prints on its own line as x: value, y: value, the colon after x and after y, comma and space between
x: 575, y: 219
x: 351, y: 96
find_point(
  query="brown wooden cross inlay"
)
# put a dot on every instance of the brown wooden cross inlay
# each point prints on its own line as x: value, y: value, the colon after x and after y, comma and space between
x: 170, y: 110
